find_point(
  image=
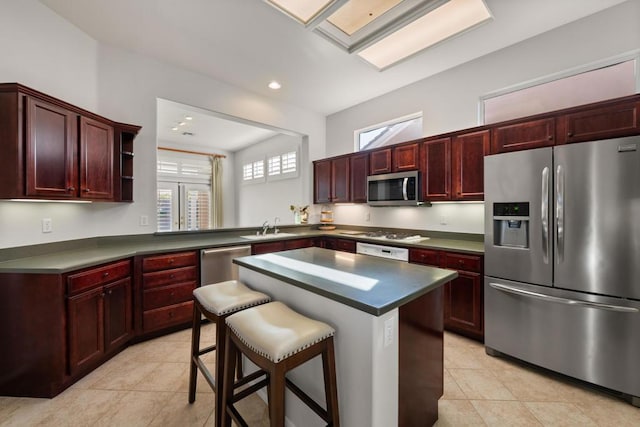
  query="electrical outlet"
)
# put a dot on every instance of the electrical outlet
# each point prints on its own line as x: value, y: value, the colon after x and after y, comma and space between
x: 388, y: 332
x: 144, y: 220
x: 47, y: 225
x: 443, y: 220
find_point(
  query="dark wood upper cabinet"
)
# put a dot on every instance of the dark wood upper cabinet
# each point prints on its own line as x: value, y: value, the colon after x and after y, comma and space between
x: 523, y: 136
x: 467, y: 160
x: 331, y: 180
x: 436, y: 169
x: 96, y: 159
x: 340, y: 180
x: 380, y: 161
x: 322, y: 181
x: 50, y: 150
x: 53, y: 150
x: 406, y: 157
x: 600, y: 122
x: 358, y: 171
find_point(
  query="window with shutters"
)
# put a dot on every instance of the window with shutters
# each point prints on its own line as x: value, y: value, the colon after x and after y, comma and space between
x: 253, y: 171
x: 184, y: 192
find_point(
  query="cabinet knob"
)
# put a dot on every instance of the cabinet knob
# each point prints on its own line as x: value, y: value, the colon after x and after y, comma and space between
x: 86, y: 190
x: 550, y: 137
x: 569, y: 134
x: 110, y: 292
x: 172, y: 276
x: 172, y: 294
x: 105, y: 274
x: 171, y: 314
x: 171, y: 261
x: 71, y: 188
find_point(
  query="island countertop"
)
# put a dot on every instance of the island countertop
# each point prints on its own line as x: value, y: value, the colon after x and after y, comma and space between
x: 370, y: 284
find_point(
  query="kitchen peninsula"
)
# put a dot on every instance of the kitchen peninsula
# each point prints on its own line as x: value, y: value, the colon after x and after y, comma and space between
x: 388, y: 320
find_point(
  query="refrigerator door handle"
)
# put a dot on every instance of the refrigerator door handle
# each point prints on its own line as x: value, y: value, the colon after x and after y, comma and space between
x: 545, y: 215
x: 551, y: 298
x: 560, y: 213
x: 405, y: 181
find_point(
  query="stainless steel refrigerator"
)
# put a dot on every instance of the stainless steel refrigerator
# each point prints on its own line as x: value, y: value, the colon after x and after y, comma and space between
x: 562, y: 260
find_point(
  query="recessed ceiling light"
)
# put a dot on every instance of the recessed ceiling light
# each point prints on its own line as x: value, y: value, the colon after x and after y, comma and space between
x: 444, y: 22
x: 274, y: 85
x: 174, y: 128
x: 188, y: 118
x: 182, y: 123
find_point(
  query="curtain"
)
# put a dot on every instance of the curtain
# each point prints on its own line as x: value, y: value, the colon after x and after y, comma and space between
x: 216, y: 192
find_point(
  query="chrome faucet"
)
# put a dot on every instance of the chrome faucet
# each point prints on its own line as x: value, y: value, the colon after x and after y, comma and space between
x: 275, y: 225
x: 265, y: 227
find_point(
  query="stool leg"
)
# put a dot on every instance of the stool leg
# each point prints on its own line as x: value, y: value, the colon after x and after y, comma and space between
x: 226, y: 391
x: 330, y: 383
x: 221, y: 338
x: 195, y: 349
x: 276, y: 396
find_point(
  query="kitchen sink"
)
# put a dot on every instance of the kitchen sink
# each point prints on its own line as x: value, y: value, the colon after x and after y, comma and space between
x: 266, y: 236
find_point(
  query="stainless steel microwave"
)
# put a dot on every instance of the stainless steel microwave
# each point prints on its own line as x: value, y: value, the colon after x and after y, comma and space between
x: 394, y: 189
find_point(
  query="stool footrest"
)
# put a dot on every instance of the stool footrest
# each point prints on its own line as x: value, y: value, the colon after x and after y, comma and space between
x: 247, y: 379
x: 205, y: 373
x: 206, y: 350
x: 250, y: 390
x: 236, y: 417
x: 322, y: 413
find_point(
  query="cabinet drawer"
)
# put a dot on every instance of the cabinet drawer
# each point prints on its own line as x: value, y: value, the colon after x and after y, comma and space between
x: 97, y: 276
x: 463, y: 262
x: 424, y: 256
x: 162, y: 262
x: 169, y: 277
x: 167, y: 316
x: 167, y: 295
x: 297, y: 244
x: 346, y: 245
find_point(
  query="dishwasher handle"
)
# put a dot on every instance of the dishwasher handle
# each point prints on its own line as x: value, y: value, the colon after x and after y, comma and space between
x: 227, y: 249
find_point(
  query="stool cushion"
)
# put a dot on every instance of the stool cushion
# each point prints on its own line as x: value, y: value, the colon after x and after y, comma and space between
x: 228, y: 297
x: 275, y: 331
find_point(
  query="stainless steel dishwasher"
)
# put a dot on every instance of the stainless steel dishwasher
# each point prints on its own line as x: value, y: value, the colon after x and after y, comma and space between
x: 216, y: 264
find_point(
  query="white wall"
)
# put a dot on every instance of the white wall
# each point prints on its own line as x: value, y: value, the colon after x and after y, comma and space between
x: 274, y: 196
x: 43, y: 51
x: 449, y: 101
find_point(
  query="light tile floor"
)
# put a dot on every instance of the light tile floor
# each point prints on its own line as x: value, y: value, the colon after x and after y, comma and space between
x: 146, y: 385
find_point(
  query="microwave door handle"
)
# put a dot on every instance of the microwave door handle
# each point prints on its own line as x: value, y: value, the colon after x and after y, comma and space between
x: 560, y: 214
x: 405, y: 181
x: 545, y: 215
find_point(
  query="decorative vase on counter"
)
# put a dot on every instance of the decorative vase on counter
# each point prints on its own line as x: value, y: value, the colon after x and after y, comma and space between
x: 297, y: 217
x: 304, y: 217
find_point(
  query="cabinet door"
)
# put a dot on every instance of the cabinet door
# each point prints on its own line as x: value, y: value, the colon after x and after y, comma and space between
x: 322, y: 181
x: 96, y: 159
x: 468, y: 151
x: 50, y: 151
x: 463, y: 304
x: 406, y: 157
x: 118, y: 326
x: 297, y: 244
x: 86, y: 329
x: 380, y: 161
x: 340, y: 180
x: 358, y: 171
x: 436, y: 176
x: 523, y: 136
x: 612, y: 121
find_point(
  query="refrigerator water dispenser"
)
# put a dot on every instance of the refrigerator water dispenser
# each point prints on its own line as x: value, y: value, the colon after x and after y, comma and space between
x: 511, y: 224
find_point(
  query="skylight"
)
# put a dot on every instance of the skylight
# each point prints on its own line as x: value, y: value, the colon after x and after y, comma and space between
x: 383, y: 32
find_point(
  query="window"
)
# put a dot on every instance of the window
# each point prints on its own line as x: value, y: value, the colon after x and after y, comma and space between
x: 274, y: 165
x: 253, y: 171
x: 281, y: 166
x: 184, y: 192
x: 575, y: 87
x: 391, y: 132
x: 289, y: 162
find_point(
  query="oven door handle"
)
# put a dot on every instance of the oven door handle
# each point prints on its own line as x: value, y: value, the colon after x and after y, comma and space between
x: 567, y: 301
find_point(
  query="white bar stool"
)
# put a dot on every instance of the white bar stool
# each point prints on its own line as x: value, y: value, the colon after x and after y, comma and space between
x: 216, y: 302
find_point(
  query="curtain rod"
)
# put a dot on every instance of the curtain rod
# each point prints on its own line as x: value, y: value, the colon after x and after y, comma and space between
x: 222, y: 156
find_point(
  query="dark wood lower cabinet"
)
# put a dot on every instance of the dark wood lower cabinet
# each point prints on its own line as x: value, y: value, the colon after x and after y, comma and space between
x: 464, y: 295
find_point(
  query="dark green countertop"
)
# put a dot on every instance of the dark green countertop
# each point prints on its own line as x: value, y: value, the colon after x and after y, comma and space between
x: 63, y: 257
x: 373, y: 285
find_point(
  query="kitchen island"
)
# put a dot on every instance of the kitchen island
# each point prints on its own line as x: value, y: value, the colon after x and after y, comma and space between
x: 389, y: 331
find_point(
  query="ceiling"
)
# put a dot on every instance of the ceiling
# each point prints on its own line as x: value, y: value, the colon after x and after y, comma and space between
x: 206, y: 129
x: 248, y: 43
